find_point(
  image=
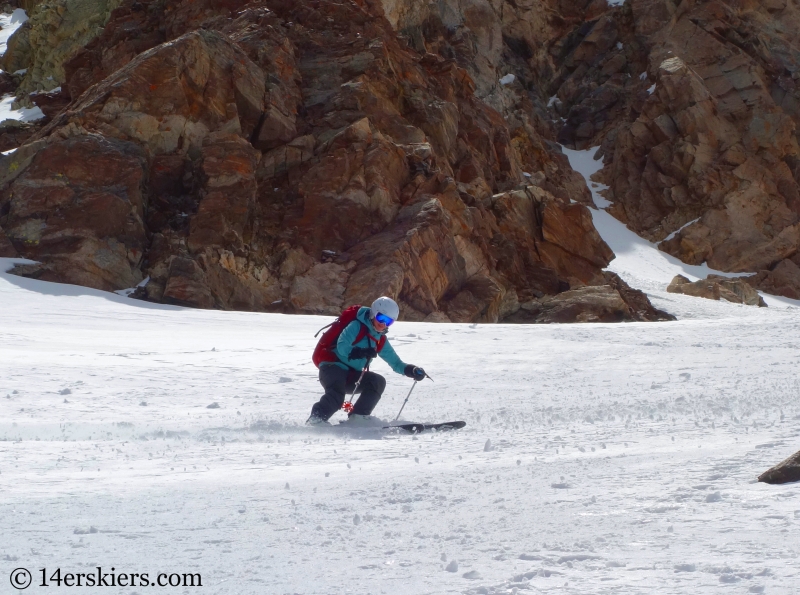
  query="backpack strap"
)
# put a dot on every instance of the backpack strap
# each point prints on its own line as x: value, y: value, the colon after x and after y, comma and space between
x: 365, y: 333
x: 362, y: 333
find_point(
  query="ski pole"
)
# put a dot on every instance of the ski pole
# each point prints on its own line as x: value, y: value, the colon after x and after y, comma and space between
x: 406, y: 401
x: 407, y: 397
x: 348, y: 407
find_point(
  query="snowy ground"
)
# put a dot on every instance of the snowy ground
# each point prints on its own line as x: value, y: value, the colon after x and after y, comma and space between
x: 597, y: 458
x: 621, y: 458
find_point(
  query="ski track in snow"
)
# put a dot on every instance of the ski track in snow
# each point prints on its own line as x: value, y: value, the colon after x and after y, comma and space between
x: 597, y: 458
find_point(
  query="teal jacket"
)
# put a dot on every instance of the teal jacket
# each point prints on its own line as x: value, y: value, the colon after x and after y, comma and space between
x: 344, y: 345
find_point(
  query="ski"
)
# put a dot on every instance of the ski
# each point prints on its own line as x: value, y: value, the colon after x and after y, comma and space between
x: 416, y: 428
x: 411, y: 428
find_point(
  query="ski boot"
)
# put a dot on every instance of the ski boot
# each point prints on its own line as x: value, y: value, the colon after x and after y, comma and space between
x: 315, y: 420
x: 364, y: 421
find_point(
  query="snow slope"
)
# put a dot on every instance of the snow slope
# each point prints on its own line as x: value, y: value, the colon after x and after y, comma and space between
x: 597, y: 459
x: 9, y: 23
x: 638, y: 261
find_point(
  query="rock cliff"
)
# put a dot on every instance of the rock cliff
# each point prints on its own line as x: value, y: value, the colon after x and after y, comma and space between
x: 54, y: 32
x: 715, y: 142
x: 302, y: 156
x: 694, y: 106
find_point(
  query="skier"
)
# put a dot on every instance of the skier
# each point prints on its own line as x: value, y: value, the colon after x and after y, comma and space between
x: 360, y: 341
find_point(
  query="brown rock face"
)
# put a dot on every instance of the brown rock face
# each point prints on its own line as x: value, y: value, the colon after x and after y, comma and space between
x: 694, y: 105
x: 783, y: 279
x: 300, y: 156
x: 6, y: 248
x: 715, y: 168
x: 613, y: 302
x: 228, y: 168
x: 14, y: 133
x: 704, y: 141
x: 172, y: 97
x: 76, y: 204
x: 51, y: 104
x: 187, y: 284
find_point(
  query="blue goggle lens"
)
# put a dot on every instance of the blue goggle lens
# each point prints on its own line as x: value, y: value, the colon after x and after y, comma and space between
x: 383, y: 319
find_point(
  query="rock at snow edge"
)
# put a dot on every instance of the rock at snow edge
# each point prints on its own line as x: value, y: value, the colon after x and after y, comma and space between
x: 716, y: 287
x: 785, y: 472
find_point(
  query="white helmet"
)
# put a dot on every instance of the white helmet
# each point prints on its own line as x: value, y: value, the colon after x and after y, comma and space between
x: 386, y: 306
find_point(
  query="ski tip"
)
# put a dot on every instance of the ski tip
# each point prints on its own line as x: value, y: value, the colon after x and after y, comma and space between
x: 416, y: 428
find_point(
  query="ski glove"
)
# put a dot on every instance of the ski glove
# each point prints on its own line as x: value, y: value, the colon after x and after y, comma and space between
x: 363, y: 353
x: 414, y: 372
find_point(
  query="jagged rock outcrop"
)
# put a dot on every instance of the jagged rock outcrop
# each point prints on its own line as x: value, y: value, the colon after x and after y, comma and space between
x: 785, y: 472
x: 77, y: 205
x: 612, y: 302
x: 783, y: 280
x: 55, y: 31
x: 14, y: 133
x: 716, y: 287
x: 299, y: 157
x: 695, y: 107
x: 694, y: 104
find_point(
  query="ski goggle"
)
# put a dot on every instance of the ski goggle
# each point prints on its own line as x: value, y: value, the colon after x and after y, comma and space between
x: 383, y: 319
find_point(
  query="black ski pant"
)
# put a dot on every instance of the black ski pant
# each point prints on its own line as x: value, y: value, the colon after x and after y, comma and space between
x: 337, y: 382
